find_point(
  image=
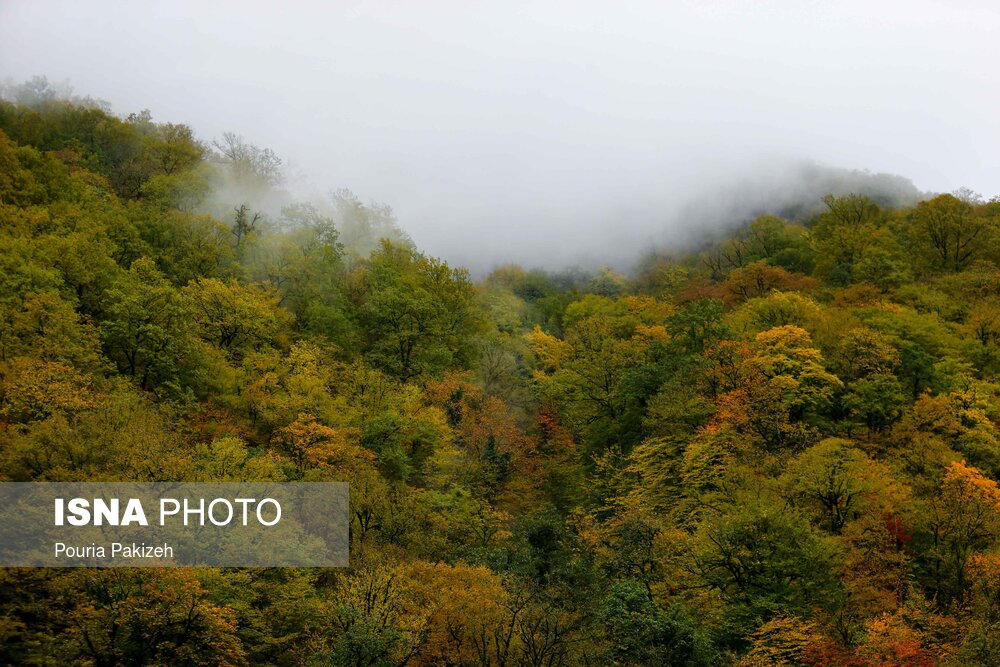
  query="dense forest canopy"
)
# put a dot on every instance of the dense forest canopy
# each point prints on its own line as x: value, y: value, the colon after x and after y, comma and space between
x: 778, y: 448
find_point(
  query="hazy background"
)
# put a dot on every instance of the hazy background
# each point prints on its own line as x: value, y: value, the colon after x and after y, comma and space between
x: 547, y: 132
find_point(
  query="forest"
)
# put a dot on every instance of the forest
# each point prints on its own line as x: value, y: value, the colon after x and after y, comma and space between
x: 779, y: 446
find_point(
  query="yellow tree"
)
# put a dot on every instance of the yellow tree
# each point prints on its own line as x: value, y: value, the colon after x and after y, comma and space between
x: 458, y: 612
x: 311, y: 445
x: 963, y: 519
x: 144, y: 617
x: 770, y: 389
x: 235, y: 317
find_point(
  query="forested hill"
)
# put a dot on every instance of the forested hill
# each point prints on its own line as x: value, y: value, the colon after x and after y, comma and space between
x: 781, y: 449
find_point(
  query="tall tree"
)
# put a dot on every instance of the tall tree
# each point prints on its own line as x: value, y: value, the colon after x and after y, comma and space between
x: 418, y: 315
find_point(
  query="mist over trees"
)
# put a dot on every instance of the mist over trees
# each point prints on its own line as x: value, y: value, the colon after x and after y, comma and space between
x: 776, y: 445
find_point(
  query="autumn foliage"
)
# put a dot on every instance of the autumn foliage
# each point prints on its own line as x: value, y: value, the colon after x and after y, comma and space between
x: 778, y: 447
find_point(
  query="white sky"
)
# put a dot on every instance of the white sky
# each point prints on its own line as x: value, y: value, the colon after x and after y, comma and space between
x: 530, y: 131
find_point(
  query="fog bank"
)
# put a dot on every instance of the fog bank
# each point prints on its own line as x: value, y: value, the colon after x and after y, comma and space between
x: 548, y: 133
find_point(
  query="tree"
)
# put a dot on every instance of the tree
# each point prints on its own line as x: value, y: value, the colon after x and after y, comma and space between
x: 778, y: 309
x: 234, y: 317
x: 229, y: 459
x: 964, y: 518
x: 364, y: 630
x: 787, y: 358
x: 639, y: 632
x: 143, y: 616
x: 950, y: 231
x: 588, y: 377
x: 500, y: 456
x: 453, y: 611
x: 894, y: 640
x: 176, y: 149
x: 312, y: 445
x: 774, y: 389
x: 47, y: 327
x: 863, y: 352
x: 877, y: 399
x: 418, y: 316
x: 698, y: 325
x: 147, y: 330
x: 836, y: 483
x: 275, y: 389
x: 32, y: 390
x: 982, y: 640
x: 306, y: 264
x: 364, y: 227
x: 250, y: 166
x: 186, y: 246
x: 758, y: 279
x: 785, y: 641
x: 850, y: 226
x: 764, y: 562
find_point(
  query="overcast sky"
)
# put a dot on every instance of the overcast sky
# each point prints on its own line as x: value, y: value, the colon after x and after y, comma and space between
x: 535, y: 130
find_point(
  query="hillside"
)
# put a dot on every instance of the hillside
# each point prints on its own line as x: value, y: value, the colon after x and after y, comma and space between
x: 779, y: 447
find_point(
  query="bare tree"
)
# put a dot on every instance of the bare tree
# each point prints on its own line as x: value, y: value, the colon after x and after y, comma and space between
x: 244, y: 225
x: 250, y: 165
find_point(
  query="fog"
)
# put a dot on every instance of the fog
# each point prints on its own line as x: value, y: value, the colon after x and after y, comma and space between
x: 547, y: 133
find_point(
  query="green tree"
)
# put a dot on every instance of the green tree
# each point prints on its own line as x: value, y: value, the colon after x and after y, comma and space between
x: 844, y: 232
x: 148, y: 330
x: 765, y: 561
x: 877, y: 400
x: 639, y: 632
x: 950, y: 232
x: 306, y: 263
x: 418, y: 316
